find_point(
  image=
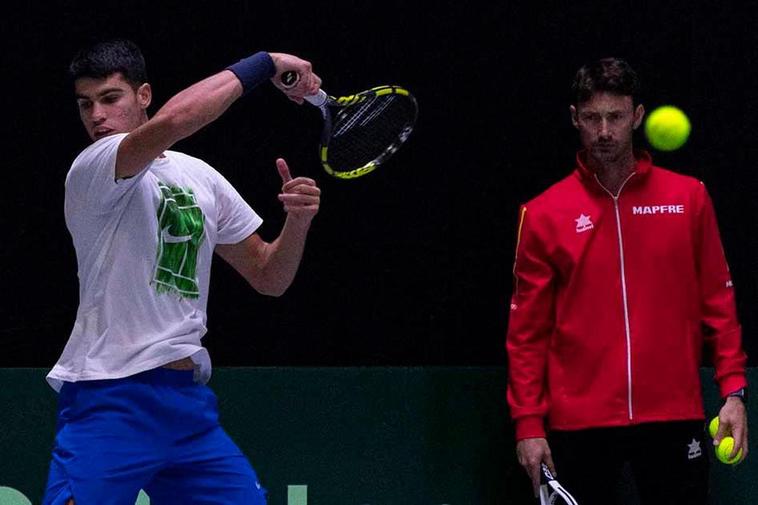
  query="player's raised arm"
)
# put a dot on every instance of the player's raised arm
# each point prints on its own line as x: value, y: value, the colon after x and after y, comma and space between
x: 116, y: 101
x: 202, y: 103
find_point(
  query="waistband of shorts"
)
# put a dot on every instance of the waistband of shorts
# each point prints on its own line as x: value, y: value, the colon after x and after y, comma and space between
x: 167, y: 376
x: 162, y: 376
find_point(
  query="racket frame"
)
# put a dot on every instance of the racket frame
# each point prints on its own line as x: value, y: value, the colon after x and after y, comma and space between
x: 551, y: 489
x: 324, y: 102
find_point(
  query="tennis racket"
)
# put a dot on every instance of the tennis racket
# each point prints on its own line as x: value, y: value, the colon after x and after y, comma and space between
x: 551, y: 490
x: 363, y: 130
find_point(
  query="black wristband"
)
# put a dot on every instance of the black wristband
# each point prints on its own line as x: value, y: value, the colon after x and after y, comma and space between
x: 253, y: 70
x: 741, y: 394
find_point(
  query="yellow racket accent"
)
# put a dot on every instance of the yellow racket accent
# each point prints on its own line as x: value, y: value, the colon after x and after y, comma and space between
x: 386, y: 90
x: 352, y: 174
x: 369, y: 167
x: 350, y: 100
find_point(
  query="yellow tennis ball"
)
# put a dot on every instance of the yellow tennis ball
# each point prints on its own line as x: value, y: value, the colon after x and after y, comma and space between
x: 667, y: 128
x: 724, y: 449
x: 713, y: 427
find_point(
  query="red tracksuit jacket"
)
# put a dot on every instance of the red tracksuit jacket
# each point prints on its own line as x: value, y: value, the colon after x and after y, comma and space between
x: 613, y: 301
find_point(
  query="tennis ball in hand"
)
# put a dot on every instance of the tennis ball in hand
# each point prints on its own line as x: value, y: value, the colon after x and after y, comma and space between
x: 713, y: 427
x: 725, y: 449
x: 667, y: 128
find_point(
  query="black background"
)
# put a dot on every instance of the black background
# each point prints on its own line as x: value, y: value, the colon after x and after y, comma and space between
x: 409, y: 265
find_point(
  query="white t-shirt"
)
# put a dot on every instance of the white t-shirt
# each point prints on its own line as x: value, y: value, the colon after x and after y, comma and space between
x: 144, y: 247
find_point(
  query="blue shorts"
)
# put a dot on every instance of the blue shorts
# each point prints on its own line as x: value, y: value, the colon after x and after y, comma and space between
x: 157, y: 431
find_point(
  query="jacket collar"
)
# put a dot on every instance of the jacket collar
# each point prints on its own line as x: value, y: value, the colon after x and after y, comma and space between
x: 643, y: 164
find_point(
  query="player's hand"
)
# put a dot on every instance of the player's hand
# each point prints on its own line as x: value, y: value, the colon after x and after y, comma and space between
x: 733, y: 422
x: 531, y: 452
x: 301, y: 196
x: 308, y: 82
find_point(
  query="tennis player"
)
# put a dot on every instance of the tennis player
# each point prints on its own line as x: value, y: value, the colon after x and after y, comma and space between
x: 134, y: 412
x: 620, y: 282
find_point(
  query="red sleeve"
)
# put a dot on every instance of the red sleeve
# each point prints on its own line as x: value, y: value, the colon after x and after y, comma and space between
x: 529, y: 327
x: 719, y: 313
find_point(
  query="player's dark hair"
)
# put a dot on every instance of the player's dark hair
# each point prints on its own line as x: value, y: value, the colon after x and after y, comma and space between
x: 103, y: 59
x: 612, y: 75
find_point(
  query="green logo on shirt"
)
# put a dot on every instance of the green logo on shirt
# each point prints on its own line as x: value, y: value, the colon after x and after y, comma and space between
x: 180, y: 233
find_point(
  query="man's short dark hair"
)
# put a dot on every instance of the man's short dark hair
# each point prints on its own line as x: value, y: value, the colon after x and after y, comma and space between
x: 103, y: 59
x: 611, y: 75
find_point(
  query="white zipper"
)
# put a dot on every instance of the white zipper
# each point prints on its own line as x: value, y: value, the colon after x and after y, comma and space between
x: 627, y: 327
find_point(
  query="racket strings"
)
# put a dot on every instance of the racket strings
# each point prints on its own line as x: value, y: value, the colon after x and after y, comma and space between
x: 370, y: 130
x: 352, y: 115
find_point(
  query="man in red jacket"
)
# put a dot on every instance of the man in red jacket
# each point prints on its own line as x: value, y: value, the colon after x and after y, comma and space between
x: 620, y: 281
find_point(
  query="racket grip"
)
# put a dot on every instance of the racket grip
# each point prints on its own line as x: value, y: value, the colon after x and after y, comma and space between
x: 318, y: 99
x: 290, y: 79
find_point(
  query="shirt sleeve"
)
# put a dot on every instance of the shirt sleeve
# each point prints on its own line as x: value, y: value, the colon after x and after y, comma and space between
x: 719, y: 314
x: 529, y: 327
x: 91, y: 184
x: 236, y: 219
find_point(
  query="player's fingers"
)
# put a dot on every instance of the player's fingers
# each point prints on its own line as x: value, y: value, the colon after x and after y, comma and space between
x: 301, y: 193
x: 284, y: 170
x: 298, y: 199
x: 307, y: 71
x: 723, y: 431
x: 549, y: 462
x: 305, y: 79
x: 740, y: 441
x: 305, y: 67
x: 737, y: 433
x: 535, y: 470
x: 304, y: 85
x: 301, y: 185
x: 521, y: 460
x: 300, y: 179
x: 314, y: 86
x: 301, y: 210
x: 534, y: 474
